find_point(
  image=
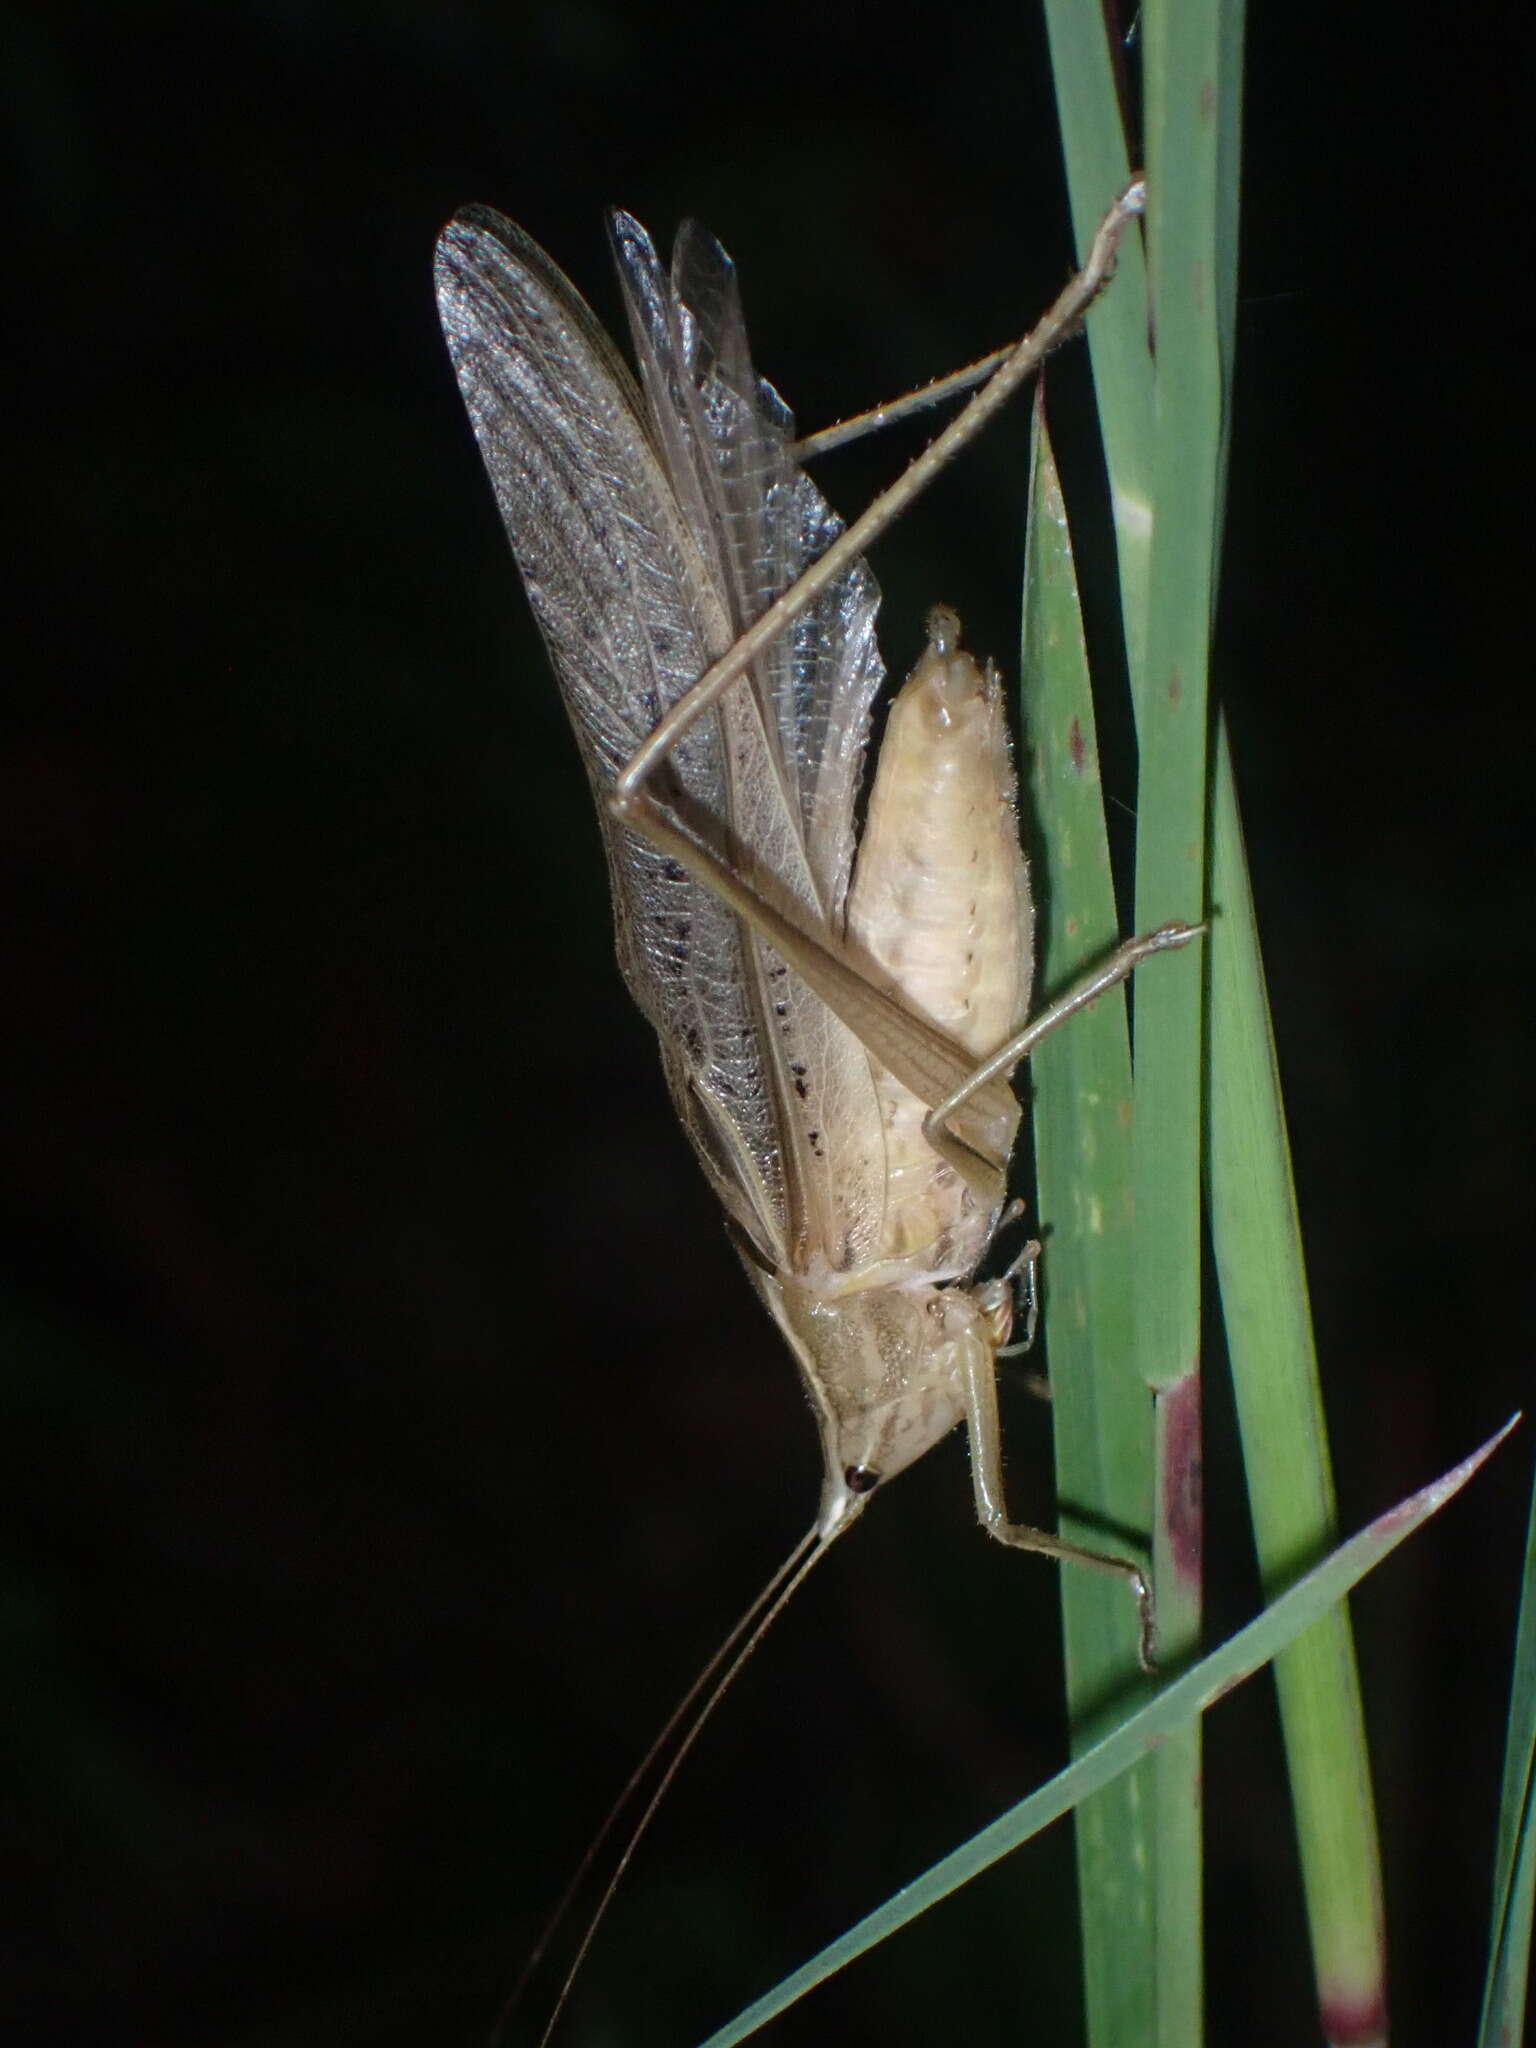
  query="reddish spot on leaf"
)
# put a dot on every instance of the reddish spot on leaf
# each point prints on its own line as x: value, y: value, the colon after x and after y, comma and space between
x: 1076, y: 748
x: 1207, y: 100
x: 1178, y: 1417
x: 1175, y: 687
x: 1355, y: 2021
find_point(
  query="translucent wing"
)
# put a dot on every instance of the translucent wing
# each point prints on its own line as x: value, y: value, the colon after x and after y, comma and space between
x: 728, y: 437
x: 635, y: 535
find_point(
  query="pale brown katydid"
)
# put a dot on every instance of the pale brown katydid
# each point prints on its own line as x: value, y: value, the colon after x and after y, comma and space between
x: 837, y: 1022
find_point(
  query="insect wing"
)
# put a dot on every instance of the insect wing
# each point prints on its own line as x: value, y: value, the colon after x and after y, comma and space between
x: 729, y: 442
x: 624, y: 570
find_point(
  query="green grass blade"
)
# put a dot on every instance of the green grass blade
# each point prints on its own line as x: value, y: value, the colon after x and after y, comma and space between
x: 1273, y: 1364
x: 1185, y: 215
x: 1193, y: 59
x: 1257, y: 1240
x: 1159, y: 1721
x: 1098, y: 165
x: 1190, y: 102
x: 1509, y: 1958
x: 1102, y: 1419
x: 1165, y: 461
x: 1084, y: 1167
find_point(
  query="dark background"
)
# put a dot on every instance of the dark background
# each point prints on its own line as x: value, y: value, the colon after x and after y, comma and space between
x: 390, y: 1432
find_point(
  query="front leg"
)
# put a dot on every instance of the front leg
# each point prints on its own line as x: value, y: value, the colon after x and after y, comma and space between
x: 1013, y: 367
x: 985, y: 1427
x: 1120, y: 965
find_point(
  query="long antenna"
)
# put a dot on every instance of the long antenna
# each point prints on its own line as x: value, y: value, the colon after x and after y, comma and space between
x: 745, y: 1635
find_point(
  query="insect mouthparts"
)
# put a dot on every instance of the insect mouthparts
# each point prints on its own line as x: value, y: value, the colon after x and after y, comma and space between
x: 943, y: 624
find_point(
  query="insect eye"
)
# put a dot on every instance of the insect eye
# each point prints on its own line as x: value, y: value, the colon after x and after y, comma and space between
x: 860, y: 1479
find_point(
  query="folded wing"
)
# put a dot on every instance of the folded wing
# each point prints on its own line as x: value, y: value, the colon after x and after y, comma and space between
x: 649, y: 531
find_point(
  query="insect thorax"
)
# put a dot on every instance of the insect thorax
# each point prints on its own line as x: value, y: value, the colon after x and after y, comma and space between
x: 886, y: 1370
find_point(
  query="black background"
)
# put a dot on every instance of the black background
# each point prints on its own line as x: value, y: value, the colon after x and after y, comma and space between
x: 390, y: 1430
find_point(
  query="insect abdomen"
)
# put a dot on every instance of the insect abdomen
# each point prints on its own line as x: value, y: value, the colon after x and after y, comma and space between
x: 940, y: 901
